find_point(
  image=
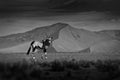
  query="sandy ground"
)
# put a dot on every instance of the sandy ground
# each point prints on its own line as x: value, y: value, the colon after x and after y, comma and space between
x: 16, y: 57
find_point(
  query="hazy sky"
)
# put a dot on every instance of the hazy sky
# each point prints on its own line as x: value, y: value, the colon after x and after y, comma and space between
x: 22, y: 15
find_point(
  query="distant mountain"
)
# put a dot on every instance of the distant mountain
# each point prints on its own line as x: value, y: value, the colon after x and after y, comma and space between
x: 35, y: 34
x: 65, y: 39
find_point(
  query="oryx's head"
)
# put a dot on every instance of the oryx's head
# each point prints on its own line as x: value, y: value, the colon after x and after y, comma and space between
x: 50, y: 39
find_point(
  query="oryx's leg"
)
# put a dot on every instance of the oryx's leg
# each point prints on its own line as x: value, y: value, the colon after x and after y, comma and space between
x: 44, y: 56
x: 45, y: 53
x: 33, y: 57
x: 33, y: 49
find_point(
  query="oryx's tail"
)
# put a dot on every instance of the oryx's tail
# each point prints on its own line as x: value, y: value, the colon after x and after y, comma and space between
x: 28, y: 50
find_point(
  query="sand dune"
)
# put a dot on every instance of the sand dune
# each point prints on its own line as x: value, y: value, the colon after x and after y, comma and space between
x: 66, y: 39
x: 73, y: 40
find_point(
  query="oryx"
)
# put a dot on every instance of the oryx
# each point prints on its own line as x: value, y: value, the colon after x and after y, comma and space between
x: 43, y: 45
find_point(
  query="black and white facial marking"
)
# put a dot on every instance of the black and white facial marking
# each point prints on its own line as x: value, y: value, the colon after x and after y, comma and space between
x: 47, y: 42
